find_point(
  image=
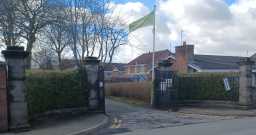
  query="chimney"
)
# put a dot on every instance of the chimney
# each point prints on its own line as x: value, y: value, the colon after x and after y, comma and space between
x: 184, y: 55
x: 184, y: 43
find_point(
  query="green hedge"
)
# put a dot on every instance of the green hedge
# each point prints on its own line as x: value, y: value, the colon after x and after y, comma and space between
x: 207, y: 86
x: 51, y: 90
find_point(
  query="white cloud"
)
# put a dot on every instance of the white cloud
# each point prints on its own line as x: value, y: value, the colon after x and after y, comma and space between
x: 212, y: 25
x: 129, y: 12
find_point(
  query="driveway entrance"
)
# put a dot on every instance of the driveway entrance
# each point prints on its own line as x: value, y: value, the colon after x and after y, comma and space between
x: 130, y: 118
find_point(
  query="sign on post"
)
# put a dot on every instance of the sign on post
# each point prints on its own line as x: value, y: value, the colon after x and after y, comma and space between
x: 226, y: 84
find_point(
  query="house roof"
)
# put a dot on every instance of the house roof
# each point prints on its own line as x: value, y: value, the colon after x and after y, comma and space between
x: 215, y: 62
x: 112, y: 66
x: 253, y: 57
x: 68, y: 63
x: 146, y: 58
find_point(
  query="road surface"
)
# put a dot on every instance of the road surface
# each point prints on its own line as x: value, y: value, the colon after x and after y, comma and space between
x: 128, y: 118
x: 245, y: 126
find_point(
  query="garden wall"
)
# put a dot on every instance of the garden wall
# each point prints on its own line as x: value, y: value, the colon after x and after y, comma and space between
x: 54, y: 90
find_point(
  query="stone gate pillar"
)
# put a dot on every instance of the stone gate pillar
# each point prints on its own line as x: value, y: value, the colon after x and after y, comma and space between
x: 95, y: 84
x: 245, y: 83
x: 18, y: 111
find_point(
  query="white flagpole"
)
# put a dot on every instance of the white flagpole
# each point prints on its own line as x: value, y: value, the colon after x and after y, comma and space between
x: 153, y: 56
x: 154, y: 45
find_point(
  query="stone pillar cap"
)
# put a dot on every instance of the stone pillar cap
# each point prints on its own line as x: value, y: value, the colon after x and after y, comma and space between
x: 15, y: 52
x: 246, y: 61
x: 165, y: 63
x: 93, y: 60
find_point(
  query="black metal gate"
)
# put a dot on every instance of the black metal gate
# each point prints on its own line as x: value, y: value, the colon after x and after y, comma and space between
x: 101, y: 89
x: 165, y: 93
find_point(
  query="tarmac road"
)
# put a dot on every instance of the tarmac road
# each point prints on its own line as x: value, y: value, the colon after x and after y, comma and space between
x: 127, y: 118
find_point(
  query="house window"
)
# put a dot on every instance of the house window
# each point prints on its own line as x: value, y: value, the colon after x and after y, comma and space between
x: 139, y: 69
x: 136, y: 69
x: 131, y: 69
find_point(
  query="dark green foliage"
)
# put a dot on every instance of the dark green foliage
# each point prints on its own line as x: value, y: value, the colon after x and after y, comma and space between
x: 51, y: 90
x: 207, y: 86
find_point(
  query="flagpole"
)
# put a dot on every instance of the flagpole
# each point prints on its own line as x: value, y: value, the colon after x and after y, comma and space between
x: 154, y: 45
x: 153, y: 56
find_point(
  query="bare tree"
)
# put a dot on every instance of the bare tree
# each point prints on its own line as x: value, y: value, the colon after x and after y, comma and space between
x: 44, y: 57
x: 87, y: 30
x: 116, y: 36
x: 84, y: 29
x: 73, y: 22
x: 33, y: 16
x: 93, y: 32
x: 57, y: 36
x: 9, y: 33
x: 88, y: 23
x: 113, y: 35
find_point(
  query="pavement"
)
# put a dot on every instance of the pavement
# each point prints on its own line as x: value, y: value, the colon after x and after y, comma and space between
x: 245, y: 126
x: 218, y: 112
x: 80, y: 125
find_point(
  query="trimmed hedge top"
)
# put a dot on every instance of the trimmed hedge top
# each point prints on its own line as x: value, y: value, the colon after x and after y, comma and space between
x: 205, y: 74
x: 51, y: 90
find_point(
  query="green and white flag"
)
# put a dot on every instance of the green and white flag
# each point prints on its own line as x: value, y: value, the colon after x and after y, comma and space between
x: 147, y: 20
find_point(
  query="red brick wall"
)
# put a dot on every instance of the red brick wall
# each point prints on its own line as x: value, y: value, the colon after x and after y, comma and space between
x: 3, y: 101
x: 181, y: 60
x: 131, y: 69
x: 184, y: 54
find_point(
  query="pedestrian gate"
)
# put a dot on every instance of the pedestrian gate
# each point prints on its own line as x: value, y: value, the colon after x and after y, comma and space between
x: 165, y: 93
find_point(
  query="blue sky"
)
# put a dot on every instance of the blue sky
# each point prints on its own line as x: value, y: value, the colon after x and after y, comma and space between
x: 150, y: 3
x: 230, y: 1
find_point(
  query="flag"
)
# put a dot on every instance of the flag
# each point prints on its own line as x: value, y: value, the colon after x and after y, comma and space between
x: 147, y: 20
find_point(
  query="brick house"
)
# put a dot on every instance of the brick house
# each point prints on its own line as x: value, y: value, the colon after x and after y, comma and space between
x: 186, y: 61
x: 113, y: 71
x: 142, y: 65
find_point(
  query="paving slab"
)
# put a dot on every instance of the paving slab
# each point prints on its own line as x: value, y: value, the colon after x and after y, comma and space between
x: 218, y: 112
